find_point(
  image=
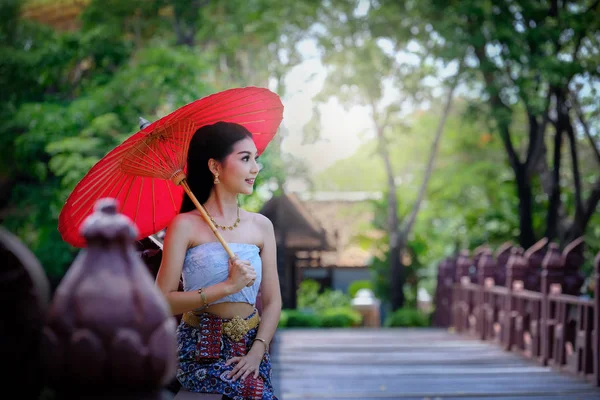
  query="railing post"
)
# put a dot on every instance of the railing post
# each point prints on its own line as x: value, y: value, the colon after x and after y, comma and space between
x: 109, y: 332
x: 486, y: 272
x: 574, y: 258
x: 502, y: 255
x: 552, y: 273
x: 443, y: 294
x: 460, y: 303
x: 516, y: 270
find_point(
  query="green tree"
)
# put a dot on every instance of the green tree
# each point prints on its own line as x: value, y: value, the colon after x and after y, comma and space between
x: 70, y: 97
x: 359, y: 67
x: 532, y: 62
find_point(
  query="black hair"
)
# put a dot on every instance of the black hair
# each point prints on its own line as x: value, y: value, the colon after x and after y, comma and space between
x: 210, y: 141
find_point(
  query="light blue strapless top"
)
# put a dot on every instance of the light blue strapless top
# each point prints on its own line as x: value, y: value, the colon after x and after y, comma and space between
x: 207, y: 264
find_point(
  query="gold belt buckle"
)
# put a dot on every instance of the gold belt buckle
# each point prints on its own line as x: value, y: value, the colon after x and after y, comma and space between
x: 236, y: 328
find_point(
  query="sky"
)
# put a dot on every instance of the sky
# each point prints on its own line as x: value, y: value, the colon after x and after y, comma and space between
x: 342, y: 131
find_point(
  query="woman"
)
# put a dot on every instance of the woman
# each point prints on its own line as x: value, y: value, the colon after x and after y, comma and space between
x: 223, y: 345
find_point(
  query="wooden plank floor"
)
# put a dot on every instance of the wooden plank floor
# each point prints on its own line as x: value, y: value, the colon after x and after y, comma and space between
x: 410, y: 364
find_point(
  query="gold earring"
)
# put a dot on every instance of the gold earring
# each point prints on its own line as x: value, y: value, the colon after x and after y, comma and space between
x: 217, y: 181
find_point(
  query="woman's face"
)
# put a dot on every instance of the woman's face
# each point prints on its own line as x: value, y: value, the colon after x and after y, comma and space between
x: 240, y: 168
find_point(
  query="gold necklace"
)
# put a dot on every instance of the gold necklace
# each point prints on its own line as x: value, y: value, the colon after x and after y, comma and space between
x: 223, y: 227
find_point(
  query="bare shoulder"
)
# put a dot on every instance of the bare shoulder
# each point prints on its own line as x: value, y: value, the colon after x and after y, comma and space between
x: 264, y: 226
x: 181, y: 225
x: 263, y: 223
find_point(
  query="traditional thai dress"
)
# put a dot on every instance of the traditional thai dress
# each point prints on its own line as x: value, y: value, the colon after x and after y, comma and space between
x: 206, y: 342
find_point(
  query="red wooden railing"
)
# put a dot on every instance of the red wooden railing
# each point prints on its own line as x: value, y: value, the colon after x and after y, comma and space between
x: 528, y: 302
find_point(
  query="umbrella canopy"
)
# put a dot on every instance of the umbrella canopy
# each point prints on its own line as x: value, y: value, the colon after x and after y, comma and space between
x: 146, y: 173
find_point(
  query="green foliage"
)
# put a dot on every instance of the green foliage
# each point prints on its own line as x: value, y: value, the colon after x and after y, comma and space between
x: 357, y: 285
x: 333, y: 317
x: 307, y: 293
x: 407, y: 317
x: 283, y: 319
x: 309, y: 298
x: 70, y: 97
x: 329, y: 309
x: 340, y: 317
x: 301, y: 319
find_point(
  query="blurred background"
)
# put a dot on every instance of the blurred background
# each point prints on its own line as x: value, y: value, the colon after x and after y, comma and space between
x: 412, y: 130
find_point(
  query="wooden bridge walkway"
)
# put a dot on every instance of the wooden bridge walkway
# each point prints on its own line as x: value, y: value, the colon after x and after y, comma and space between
x: 410, y: 364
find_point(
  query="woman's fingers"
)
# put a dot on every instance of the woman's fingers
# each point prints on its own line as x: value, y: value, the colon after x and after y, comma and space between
x: 235, y: 370
x: 233, y: 360
x: 239, y: 373
x: 246, y: 374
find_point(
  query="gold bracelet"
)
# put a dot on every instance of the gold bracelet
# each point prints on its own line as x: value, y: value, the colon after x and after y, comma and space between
x: 202, y: 296
x: 264, y: 342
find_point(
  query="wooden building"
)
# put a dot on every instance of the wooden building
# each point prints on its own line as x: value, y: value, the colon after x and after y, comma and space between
x: 316, y: 239
x: 300, y: 240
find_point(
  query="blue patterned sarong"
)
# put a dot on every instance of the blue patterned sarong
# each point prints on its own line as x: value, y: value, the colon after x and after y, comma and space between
x: 202, y: 366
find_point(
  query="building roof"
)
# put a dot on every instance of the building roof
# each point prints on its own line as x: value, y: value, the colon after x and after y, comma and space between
x: 291, y: 219
x: 344, y: 216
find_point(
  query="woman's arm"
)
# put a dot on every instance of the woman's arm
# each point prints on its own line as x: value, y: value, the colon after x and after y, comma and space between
x: 174, y: 250
x: 271, y: 294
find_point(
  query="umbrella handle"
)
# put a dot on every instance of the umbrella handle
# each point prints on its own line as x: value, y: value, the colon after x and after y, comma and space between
x: 209, y: 222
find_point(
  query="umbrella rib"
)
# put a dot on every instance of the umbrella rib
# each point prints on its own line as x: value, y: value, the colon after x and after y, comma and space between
x: 143, y: 165
x: 219, y: 104
x: 112, y: 181
x: 125, y: 177
x: 90, y: 184
x: 229, y: 110
x: 137, y: 208
x: 216, y: 100
x: 180, y: 152
x: 87, y: 194
x: 153, y: 209
x: 172, y: 199
x: 151, y: 149
x: 106, y: 171
x: 127, y: 195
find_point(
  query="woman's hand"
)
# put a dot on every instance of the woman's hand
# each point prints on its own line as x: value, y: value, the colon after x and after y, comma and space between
x: 245, y: 365
x: 241, y: 273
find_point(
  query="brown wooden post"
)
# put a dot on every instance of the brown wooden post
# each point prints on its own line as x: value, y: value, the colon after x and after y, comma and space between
x: 460, y: 301
x: 443, y: 293
x: 109, y: 331
x: 552, y: 274
x: 535, y: 256
x: 486, y: 270
x: 477, y: 254
x: 502, y: 255
x: 574, y: 258
x: 516, y: 271
x: 596, y: 333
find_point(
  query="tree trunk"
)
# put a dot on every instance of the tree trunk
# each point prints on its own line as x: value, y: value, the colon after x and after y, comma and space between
x: 396, y: 272
x: 554, y: 198
x: 584, y: 210
x: 579, y: 225
x: 526, y: 234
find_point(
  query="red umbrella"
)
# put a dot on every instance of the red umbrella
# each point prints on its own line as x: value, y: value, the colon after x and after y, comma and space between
x: 146, y: 173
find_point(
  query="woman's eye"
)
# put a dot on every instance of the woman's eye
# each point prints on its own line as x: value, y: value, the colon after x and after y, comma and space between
x: 246, y: 158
